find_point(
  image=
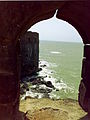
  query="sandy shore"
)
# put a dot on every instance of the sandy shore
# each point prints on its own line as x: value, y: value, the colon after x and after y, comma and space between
x: 47, y: 109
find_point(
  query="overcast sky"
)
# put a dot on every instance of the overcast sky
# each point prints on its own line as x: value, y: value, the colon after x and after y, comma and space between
x: 56, y: 30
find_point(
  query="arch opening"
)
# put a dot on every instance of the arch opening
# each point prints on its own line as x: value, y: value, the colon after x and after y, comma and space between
x: 15, y: 20
x: 67, y: 71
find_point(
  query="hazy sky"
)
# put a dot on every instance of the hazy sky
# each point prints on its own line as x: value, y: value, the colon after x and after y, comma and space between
x: 56, y: 30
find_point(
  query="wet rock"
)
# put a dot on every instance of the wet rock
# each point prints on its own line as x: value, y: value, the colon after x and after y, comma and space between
x: 36, y: 81
x: 25, y: 79
x: 22, y: 91
x: 40, y: 81
x: 45, y: 95
x: 45, y: 76
x: 43, y: 65
x: 49, y: 84
x: 27, y: 89
x: 39, y: 69
x: 45, y: 90
x: 41, y: 89
x: 28, y: 97
x: 49, y: 76
x: 38, y: 86
x: 24, y: 85
x: 23, y: 88
x: 57, y: 89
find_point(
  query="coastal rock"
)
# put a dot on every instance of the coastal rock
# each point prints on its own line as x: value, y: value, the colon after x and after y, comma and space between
x: 24, y: 85
x: 29, y: 50
x: 47, y: 114
x: 49, y: 84
x: 40, y: 80
x: 43, y: 65
x: 40, y: 89
x: 22, y: 91
x: 36, y: 81
x: 47, y: 109
x: 39, y: 69
x: 36, y: 86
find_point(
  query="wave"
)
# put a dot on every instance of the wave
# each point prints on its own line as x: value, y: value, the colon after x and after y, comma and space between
x: 55, y: 52
x: 49, y: 77
x: 41, y: 90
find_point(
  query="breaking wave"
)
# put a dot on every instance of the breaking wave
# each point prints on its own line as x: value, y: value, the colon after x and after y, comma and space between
x: 55, y: 52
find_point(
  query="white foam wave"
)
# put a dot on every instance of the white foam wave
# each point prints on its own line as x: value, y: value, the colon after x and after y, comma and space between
x: 48, y: 73
x: 44, y: 87
x: 32, y: 94
x: 55, y: 52
x: 45, y: 71
x: 42, y: 62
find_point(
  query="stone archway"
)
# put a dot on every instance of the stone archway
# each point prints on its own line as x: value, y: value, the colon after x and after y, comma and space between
x: 15, y: 19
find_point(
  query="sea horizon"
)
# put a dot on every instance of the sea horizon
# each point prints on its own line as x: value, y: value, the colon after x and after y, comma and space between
x: 62, y: 41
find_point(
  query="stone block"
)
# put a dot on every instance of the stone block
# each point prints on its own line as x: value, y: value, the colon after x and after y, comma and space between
x: 87, y: 51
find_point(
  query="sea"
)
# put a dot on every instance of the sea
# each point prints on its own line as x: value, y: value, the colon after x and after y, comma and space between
x: 64, y: 64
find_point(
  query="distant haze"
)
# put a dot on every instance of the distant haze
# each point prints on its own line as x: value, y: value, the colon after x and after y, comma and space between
x: 55, y: 29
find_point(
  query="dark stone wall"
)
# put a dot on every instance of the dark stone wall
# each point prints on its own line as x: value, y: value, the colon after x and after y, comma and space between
x: 84, y: 88
x: 29, y: 45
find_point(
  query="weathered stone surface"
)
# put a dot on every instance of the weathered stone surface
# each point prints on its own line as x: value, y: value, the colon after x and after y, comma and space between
x: 85, y: 69
x: 82, y: 96
x: 29, y: 47
x: 47, y: 114
x: 47, y: 109
x: 9, y: 82
x: 86, y: 52
x: 84, y: 88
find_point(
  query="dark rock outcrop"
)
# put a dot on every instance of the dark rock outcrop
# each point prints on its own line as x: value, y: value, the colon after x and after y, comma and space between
x: 29, y: 50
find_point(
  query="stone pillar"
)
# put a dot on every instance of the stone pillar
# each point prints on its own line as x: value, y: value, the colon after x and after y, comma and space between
x: 9, y: 81
x: 84, y: 88
x: 29, y: 44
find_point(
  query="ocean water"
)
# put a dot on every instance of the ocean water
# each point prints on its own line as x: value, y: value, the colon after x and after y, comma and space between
x: 64, y: 63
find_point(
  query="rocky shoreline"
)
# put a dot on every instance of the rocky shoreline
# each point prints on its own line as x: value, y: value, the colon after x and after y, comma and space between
x: 48, y: 109
x: 35, y: 104
x: 42, y: 84
x: 35, y: 85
